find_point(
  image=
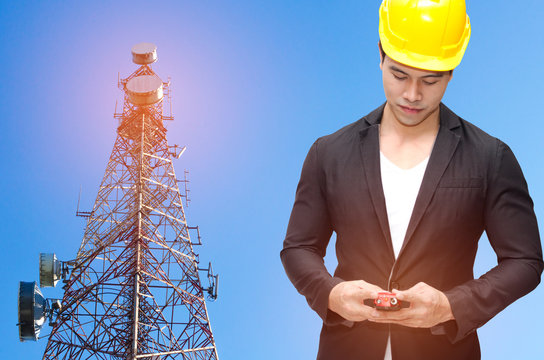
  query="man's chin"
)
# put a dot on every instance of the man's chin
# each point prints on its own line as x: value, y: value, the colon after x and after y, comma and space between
x: 410, y: 121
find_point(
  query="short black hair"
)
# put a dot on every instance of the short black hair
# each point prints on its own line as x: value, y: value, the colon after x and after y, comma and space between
x: 383, y: 54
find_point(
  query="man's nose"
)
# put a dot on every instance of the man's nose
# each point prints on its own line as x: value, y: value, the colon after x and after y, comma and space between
x: 412, y: 92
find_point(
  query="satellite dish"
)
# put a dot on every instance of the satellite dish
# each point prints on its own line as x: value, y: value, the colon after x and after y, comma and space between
x: 33, y: 310
x: 145, y: 90
x: 144, y: 53
x: 50, y: 270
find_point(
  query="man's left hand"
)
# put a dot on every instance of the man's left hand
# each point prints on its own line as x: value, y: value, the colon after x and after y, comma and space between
x: 428, y: 307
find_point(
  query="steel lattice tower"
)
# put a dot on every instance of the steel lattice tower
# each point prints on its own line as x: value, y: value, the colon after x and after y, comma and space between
x: 134, y: 291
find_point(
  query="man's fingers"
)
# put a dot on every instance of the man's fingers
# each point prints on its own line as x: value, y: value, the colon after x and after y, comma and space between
x: 347, y: 299
x: 415, y: 293
x: 390, y: 316
x: 406, y: 295
x: 367, y: 291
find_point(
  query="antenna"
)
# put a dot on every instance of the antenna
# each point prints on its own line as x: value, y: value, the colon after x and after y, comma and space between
x: 52, y: 270
x: 85, y: 214
x: 213, y: 280
x: 176, y: 151
x: 197, y: 234
x: 33, y: 310
x: 186, y: 196
x: 170, y: 97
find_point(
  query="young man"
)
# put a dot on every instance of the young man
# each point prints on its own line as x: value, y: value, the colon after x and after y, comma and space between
x: 409, y: 190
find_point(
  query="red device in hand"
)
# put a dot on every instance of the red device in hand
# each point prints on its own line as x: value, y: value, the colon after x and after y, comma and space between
x: 387, y: 301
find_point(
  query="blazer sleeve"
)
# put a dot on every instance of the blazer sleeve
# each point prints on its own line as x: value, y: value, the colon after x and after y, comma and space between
x: 512, y: 230
x: 308, y: 235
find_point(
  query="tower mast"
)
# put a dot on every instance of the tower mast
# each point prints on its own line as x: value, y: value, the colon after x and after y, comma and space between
x: 134, y: 291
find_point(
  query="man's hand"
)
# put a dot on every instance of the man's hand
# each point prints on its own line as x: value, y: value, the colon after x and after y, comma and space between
x: 428, y: 307
x: 346, y: 299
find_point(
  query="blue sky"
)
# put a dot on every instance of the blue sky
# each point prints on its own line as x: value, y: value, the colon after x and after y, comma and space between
x: 254, y: 84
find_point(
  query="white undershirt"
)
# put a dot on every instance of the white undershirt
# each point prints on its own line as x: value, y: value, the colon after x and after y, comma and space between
x: 400, y: 188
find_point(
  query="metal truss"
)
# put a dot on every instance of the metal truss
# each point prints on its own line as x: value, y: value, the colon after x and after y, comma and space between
x: 135, y: 291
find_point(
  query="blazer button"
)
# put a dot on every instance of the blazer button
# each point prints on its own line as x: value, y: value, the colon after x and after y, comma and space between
x: 395, y: 285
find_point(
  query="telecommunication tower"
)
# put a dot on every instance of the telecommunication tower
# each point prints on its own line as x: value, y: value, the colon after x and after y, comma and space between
x: 133, y: 291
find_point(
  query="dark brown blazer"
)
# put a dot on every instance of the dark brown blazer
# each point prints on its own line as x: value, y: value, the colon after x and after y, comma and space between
x: 472, y: 184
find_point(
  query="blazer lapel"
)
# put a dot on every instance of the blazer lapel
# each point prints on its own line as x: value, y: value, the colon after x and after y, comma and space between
x: 443, y: 149
x: 370, y: 151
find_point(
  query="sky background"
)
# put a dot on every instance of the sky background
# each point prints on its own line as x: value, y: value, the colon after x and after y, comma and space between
x: 254, y: 83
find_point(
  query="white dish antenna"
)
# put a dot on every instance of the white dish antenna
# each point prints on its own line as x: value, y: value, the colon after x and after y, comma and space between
x: 50, y: 270
x: 33, y: 310
x: 144, y: 90
x: 144, y: 53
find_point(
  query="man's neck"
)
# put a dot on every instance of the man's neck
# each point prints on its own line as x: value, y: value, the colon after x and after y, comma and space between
x: 391, y: 126
x: 407, y: 146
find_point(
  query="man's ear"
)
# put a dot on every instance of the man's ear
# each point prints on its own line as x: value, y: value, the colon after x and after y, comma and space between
x: 381, y: 55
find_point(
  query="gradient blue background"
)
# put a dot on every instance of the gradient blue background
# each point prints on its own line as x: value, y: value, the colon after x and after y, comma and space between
x: 254, y: 84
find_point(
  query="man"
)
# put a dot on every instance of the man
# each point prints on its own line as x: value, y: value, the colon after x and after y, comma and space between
x: 409, y: 190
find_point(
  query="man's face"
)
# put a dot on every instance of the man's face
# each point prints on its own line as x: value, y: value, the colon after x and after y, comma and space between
x: 413, y: 95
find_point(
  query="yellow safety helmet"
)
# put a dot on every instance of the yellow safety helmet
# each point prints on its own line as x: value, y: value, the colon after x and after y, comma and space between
x: 425, y: 34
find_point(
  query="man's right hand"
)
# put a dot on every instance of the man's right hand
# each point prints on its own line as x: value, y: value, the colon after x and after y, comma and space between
x: 346, y: 299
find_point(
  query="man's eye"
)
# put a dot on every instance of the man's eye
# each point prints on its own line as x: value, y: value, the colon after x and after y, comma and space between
x: 429, y: 82
x: 399, y: 77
